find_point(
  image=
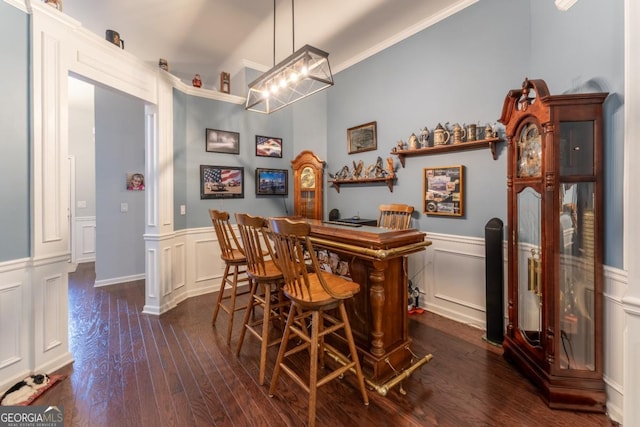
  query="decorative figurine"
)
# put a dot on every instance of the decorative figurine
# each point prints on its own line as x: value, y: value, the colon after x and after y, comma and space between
x: 357, y: 170
x: 196, y: 81
x: 55, y: 3
x: 390, y: 168
x: 471, y: 132
x: 225, y: 82
x: 163, y: 64
x: 400, y: 145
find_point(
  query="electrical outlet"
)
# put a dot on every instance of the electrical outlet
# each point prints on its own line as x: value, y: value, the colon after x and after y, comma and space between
x: 124, y: 207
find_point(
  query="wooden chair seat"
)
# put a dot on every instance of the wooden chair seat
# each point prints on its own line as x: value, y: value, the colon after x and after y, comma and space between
x: 318, y: 296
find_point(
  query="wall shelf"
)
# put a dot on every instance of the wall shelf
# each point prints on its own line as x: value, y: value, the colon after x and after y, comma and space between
x: 472, y: 145
x: 388, y: 180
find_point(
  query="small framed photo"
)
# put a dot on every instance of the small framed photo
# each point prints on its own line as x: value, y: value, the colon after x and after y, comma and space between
x: 268, y: 146
x: 222, y: 141
x: 444, y: 191
x: 272, y: 182
x: 362, y: 138
x: 135, y: 181
x: 221, y: 182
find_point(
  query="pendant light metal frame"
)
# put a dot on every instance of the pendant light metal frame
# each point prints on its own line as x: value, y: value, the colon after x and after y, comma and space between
x: 303, y: 73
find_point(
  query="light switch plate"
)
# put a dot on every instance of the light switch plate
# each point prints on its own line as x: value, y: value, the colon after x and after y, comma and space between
x: 183, y: 210
x: 124, y: 207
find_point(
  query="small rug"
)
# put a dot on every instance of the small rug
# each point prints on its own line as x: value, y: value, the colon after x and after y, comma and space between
x: 24, y: 392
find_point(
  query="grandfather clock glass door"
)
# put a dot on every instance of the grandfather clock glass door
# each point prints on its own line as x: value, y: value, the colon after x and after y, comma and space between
x: 576, y: 246
x: 529, y: 266
x: 307, y: 192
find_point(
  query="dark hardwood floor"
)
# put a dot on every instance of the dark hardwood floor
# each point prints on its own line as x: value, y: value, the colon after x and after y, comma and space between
x: 133, y: 369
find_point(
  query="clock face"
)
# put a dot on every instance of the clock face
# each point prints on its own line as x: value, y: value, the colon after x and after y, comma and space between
x: 307, y: 178
x: 530, y: 152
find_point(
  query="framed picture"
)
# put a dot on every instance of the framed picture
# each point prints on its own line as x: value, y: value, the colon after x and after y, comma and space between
x: 444, y: 191
x: 221, y: 182
x: 268, y: 146
x: 272, y: 182
x: 362, y: 138
x: 222, y: 141
x: 135, y: 181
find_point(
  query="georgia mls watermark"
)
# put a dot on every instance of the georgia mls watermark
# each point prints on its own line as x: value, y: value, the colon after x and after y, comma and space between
x: 31, y: 416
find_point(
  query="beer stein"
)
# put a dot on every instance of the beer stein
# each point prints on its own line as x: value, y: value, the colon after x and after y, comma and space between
x: 471, y: 132
x: 440, y: 135
x: 488, y: 132
x: 413, y: 142
x: 458, y: 133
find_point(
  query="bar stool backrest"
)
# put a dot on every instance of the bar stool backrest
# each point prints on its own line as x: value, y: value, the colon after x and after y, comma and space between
x: 257, y: 247
x: 297, y: 259
x: 230, y: 248
x: 395, y: 216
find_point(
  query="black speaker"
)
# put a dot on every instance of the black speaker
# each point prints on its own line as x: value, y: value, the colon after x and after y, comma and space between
x: 494, y: 275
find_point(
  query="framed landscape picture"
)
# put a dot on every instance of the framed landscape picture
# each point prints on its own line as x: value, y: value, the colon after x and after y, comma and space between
x: 222, y: 141
x: 268, y: 146
x: 362, y: 138
x: 272, y: 182
x: 444, y: 190
x: 221, y: 182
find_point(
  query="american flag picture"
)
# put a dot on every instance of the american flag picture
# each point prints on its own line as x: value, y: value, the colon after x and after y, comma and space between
x: 221, y: 182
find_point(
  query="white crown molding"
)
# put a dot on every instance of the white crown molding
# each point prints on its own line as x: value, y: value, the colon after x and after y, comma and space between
x: 414, y: 29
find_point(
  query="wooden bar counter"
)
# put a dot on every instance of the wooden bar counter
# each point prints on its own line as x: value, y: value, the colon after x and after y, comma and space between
x: 378, y: 313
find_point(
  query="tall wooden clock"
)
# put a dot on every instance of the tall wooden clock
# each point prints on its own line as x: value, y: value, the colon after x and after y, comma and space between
x: 307, y: 185
x: 555, y: 274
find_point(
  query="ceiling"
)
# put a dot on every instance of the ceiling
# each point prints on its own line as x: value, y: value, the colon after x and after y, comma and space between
x: 210, y: 36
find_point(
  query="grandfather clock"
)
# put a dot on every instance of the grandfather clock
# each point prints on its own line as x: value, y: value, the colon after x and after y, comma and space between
x: 307, y: 185
x: 555, y: 207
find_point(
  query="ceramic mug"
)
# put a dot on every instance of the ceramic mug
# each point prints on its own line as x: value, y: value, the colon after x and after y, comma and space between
x: 114, y: 37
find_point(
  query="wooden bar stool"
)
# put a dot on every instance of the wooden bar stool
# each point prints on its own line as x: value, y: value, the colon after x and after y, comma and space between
x: 264, y: 273
x: 234, y: 270
x: 395, y: 216
x: 313, y: 296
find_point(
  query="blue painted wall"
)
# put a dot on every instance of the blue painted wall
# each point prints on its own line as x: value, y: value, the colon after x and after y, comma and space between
x: 456, y: 71
x: 15, y: 208
x: 192, y: 116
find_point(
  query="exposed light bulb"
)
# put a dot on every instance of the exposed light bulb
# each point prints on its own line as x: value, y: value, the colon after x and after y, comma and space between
x: 283, y: 82
x: 293, y: 76
x: 265, y: 93
x: 304, y: 70
x: 274, y: 88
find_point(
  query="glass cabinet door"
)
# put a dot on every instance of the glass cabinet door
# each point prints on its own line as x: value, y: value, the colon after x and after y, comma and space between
x: 529, y: 266
x: 576, y: 247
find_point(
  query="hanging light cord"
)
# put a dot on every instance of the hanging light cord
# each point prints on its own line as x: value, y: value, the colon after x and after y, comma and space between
x: 274, y: 33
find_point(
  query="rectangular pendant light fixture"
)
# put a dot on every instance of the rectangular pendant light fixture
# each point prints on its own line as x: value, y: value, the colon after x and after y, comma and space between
x: 303, y: 73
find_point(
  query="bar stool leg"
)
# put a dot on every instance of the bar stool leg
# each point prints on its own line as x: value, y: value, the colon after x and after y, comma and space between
x: 354, y: 355
x: 247, y: 315
x: 282, y: 350
x: 266, y: 320
x: 313, y: 369
x: 220, y: 294
x: 232, y: 304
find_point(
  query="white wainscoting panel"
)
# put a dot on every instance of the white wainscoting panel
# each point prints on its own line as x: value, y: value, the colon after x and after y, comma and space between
x: 15, y: 302
x: 454, y: 278
x: 85, y: 239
